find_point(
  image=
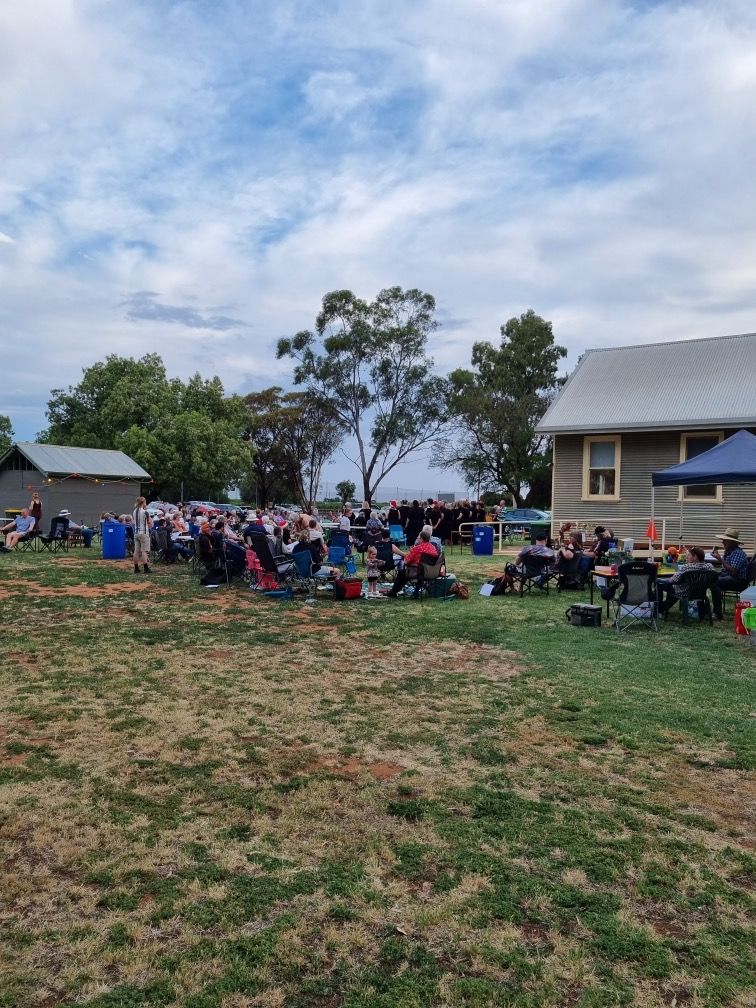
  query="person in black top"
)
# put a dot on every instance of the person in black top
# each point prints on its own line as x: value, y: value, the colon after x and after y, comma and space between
x: 394, y: 515
x: 415, y: 521
x: 445, y: 523
x: 479, y: 511
x: 429, y: 505
x: 404, y: 509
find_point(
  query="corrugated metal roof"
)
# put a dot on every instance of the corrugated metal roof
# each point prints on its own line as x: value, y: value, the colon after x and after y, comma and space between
x: 690, y: 383
x: 84, y: 461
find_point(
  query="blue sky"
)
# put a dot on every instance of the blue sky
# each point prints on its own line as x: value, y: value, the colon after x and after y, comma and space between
x: 191, y: 178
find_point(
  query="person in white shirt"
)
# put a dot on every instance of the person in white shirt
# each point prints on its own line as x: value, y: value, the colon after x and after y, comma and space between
x: 142, y: 526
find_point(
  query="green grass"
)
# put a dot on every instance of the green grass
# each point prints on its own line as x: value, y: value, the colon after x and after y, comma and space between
x: 212, y: 799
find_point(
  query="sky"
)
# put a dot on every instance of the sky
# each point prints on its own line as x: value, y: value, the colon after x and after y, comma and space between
x: 192, y: 177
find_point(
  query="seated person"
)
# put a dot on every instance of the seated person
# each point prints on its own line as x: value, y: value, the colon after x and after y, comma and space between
x: 540, y: 549
x: 87, y: 534
x: 735, y: 567
x: 373, y: 525
x: 20, y: 528
x: 568, y: 558
x: 423, y: 549
x: 695, y: 559
x: 389, y: 552
x: 604, y: 542
x: 433, y: 539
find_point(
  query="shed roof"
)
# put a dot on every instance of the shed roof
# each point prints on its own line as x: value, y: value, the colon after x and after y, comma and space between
x: 63, y: 461
x: 678, y: 385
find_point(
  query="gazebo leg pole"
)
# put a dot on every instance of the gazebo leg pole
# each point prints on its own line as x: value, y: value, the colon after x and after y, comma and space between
x: 651, y: 537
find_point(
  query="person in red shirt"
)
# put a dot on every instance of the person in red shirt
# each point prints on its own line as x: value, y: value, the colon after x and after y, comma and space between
x: 413, y: 556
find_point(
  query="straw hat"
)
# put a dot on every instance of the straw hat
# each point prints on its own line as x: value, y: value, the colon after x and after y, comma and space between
x: 730, y: 533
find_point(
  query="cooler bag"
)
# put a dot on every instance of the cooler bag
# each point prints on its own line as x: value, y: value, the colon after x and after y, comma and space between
x: 581, y: 614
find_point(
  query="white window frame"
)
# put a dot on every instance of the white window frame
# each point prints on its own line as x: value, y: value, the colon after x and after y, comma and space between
x: 682, y: 491
x: 616, y: 439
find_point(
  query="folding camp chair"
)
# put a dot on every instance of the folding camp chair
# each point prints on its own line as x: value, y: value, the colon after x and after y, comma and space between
x: 397, y: 535
x: 426, y: 574
x: 338, y: 557
x: 694, y: 587
x: 637, y: 602
x: 735, y: 592
x: 57, y: 539
x: 279, y: 569
x: 535, y: 574
x: 303, y: 574
x: 29, y: 542
x: 386, y: 556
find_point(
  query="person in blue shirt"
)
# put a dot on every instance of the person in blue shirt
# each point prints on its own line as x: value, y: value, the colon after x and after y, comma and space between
x: 17, y: 530
x: 734, y: 576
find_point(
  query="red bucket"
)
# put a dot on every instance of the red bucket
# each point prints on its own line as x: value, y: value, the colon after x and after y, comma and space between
x: 739, y: 628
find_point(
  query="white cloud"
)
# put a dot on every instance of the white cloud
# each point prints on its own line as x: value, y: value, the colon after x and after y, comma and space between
x: 591, y: 159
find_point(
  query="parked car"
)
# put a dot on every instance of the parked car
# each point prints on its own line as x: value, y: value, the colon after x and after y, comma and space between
x: 522, y: 517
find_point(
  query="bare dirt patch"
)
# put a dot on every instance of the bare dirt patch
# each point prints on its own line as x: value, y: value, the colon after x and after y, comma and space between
x: 351, y: 768
x: 81, y: 591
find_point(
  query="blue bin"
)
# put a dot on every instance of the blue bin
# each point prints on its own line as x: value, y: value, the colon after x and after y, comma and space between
x: 482, y: 540
x: 113, y: 541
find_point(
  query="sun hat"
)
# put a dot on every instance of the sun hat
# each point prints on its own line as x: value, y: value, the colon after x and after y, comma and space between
x: 64, y: 513
x: 393, y: 504
x: 730, y: 533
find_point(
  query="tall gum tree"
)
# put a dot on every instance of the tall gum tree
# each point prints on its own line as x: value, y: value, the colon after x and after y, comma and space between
x: 368, y: 361
x: 496, y: 406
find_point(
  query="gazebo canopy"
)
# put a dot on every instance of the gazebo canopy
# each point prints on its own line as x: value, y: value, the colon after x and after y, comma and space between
x: 731, y: 461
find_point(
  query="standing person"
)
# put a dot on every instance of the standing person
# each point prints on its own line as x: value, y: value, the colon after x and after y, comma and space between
x: 394, y: 516
x: 373, y: 572
x: 404, y: 510
x: 445, y: 524
x: 35, y: 510
x: 142, y: 525
x: 415, y: 522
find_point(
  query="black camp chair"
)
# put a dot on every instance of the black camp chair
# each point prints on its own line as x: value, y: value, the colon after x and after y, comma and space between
x: 57, y: 540
x: 535, y: 574
x: 693, y: 587
x: 637, y: 602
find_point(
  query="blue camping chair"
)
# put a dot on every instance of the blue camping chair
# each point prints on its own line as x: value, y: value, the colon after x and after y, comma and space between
x: 338, y: 557
x: 397, y: 535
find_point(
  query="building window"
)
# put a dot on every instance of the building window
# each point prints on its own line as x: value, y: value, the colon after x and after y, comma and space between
x: 601, y: 468
x: 690, y: 446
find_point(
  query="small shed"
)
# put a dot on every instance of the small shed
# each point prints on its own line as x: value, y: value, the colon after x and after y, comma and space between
x: 86, y: 481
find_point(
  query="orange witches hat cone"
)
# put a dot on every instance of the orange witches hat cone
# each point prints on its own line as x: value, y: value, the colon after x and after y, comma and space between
x: 651, y: 530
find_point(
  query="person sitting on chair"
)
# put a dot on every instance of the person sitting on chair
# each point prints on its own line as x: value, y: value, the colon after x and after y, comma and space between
x: 604, y: 541
x: 87, y: 534
x: 389, y: 552
x: 695, y: 559
x: 734, y: 576
x: 16, y: 530
x: 412, y: 558
x: 540, y: 549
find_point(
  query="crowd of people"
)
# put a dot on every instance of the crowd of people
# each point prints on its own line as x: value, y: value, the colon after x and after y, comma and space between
x: 573, y: 563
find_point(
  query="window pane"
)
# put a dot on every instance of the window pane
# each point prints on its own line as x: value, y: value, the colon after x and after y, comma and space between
x: 601, y: 482
x: 706, y: 490
x: 602, y: 454
x: 695, y: 445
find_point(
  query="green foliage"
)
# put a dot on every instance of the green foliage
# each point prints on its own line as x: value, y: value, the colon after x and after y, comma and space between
x: 293, y: 434
x: 181, y: 433
x: 497, y: 406
x: 6, y: 434
x: 346, y: 490
x: 369, y: 361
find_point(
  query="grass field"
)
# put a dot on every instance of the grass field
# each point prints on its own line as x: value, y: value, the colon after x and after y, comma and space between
x: 213, y: 799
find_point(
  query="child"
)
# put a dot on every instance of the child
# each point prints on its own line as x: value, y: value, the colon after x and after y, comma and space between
x: 373, y: 565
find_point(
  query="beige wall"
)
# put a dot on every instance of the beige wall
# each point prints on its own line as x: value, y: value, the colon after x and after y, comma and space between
x: 642, y: 453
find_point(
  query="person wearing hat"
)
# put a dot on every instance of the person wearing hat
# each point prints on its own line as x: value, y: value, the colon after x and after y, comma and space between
x: 87, y: 534
x: 394, y: 516
x: 734, y: 576
x: 604, y: 541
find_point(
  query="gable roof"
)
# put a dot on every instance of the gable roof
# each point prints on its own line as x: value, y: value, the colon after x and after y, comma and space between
x: 61, y: 461
x: 680, y: 385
